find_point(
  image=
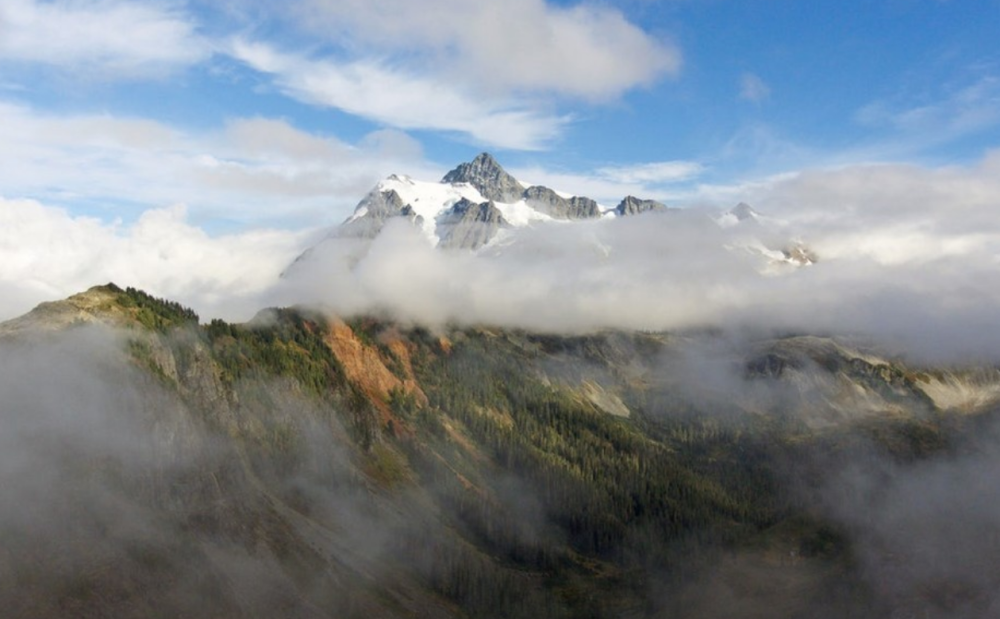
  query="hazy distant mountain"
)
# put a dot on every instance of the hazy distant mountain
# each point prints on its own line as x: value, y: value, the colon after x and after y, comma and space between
x: 634, y: 206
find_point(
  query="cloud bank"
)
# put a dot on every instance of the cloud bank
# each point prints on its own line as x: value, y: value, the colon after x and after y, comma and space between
x: 49, y: 255
x: 906, y: 255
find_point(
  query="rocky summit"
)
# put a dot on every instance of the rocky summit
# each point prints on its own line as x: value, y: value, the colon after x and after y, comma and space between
x: 478, y: 206
x: 504, y: 202
x: 486, y: 175
x: 633, y: 206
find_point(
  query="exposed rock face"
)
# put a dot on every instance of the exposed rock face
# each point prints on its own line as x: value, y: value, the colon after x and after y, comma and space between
x: 486, y: 175
x: 380, y: 205
x: 364, y: 366
x: 743, y: 212
x: 469, y: 225
x: 582, y: 208
x: 800, y: 255
x: 831, y: 382
x: 633, y: 206
x: 552, y: 204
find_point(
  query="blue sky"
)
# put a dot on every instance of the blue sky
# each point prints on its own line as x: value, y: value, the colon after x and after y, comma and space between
x: 195, y: 147
x: 250, y: 113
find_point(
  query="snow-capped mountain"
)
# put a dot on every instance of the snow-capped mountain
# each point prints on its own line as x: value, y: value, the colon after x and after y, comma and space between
x: 742, y: 213
x: 471, y: 205
x: 478, y: 204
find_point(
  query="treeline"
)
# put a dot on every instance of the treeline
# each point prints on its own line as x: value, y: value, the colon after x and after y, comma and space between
x: 155, y: 313
x: 555, y: 508
x: 288, y: 344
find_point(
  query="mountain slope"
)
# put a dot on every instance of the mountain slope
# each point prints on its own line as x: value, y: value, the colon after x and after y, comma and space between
x: 303, y: 465
x: 433, y: 206
x: 478, y: 208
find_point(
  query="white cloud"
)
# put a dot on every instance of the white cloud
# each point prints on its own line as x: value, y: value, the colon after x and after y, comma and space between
x: 753, y: 88
x: 250, y: 170
x: 953, y: 113
x: 585, y: 50
x: 403, y: 99
x: 108, y: 37
x: 605, y: 191
x: 660, y: 172
x: 49, y: 254
x: 608, y: 185
x: 909, y: 256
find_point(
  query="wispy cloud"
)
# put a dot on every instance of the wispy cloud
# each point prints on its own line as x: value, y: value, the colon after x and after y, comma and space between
x: 248, y: 170
x: 496, y: 72
x: 609, y: 184
x: 403, y: 99
x: 109, y: 38
x: 606, y: 191
x: 954, y: 113
x: 655, y: 173
x: 753, y: 88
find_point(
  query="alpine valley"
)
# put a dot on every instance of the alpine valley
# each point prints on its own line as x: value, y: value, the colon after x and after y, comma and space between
x: 308, y: 464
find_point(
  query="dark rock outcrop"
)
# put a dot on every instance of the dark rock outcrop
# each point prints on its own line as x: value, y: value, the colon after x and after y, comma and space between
x: 380, y: 205
x: 552, y: 204
x: 486, y: 175
x: 634, y: 206
x: 743, y: 212
x: 469, y: 225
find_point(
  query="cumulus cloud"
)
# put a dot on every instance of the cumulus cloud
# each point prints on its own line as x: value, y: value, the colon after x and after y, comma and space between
x: 49, y: 254
x: 250, y: 170
x: 404, y: 99
x: 907, y: 255
x: 112, y: 38
x: 584, y: 50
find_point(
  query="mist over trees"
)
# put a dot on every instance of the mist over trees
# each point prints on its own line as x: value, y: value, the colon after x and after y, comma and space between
x: 309, y: 466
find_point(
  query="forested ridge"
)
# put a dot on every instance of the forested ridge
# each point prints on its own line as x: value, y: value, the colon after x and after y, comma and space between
x: 493, y: 482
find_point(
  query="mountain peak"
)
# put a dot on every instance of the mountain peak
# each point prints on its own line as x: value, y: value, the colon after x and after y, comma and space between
x: 108, y: 305
x: 633, y: 206
x: 487, y: 176
x: 743, y: 211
